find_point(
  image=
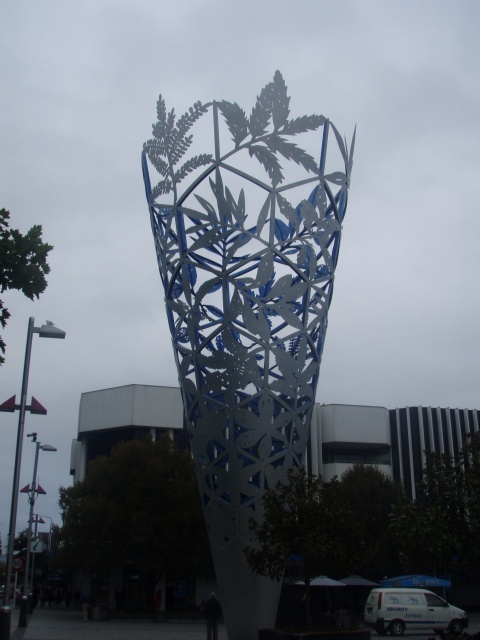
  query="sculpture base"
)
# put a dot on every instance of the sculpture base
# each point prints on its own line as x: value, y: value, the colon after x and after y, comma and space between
x: 249, y: 602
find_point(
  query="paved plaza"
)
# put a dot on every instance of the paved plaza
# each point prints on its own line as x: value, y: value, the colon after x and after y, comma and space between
x: 67, y: 624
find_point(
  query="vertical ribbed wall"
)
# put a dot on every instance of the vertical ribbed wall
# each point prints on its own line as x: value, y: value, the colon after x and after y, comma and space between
x: 415, y: 430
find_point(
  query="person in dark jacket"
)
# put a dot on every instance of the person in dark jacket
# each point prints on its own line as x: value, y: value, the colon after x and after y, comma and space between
x: 212, y: 611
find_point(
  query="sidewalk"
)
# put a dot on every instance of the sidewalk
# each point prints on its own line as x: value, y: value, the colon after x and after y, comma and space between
x: 67, y: 624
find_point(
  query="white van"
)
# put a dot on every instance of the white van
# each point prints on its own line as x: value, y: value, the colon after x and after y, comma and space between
x: 396, y: 609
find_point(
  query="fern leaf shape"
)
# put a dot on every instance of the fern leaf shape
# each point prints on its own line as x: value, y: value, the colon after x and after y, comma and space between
x: 155, y: 147
x: 261, y: 112
x: 291, y: 151
x: 158, y: 128
x: 302, y: 125
x: 179, y: 148
x: 192, y: 164
x: 161, y: 110
x: 169, y: 129
x: 269, y: 161
x: 235, y: 119
x: 154, y: 150
x: 160, y: 165
x: 163, y: 187
x: 189, y: 118
x: 280, y: 101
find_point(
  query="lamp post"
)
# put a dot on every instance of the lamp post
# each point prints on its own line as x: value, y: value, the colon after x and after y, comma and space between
x: 36, y: 519
x: 47, y: 330
x: 31, y: 498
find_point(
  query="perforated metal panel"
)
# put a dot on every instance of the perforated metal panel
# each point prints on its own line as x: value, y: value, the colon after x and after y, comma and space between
x: 247, y: 240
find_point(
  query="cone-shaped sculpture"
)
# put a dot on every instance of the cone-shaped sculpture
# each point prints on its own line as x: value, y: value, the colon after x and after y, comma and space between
x: 247, y: 253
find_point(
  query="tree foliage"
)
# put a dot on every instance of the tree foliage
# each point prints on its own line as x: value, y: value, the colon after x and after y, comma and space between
x: 23, y: 264
x: 441, y: 529
x: 335, y: 529
x: 304, y: 519
x: 139, y: 505
x: 369, y: 495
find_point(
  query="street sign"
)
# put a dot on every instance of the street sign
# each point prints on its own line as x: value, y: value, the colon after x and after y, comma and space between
x: 18, y: 563
x: 37, y: 547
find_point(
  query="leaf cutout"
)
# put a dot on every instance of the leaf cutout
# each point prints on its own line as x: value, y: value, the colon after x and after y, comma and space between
x: 309, y: 214
x: 269, y: 161
x: 337, y: 177
x: 235, y: 119
x: 161, y: 111
x: 192, y: 164
x: 261, y: 112
x: 280, y: 286
x: 302, y: 125
x: 352, y: 148
x: 160, y: 165
x: 288, y: 211
x: 262, y: 217
x: 291, y: 151
x: 265, y: 269
x: 235, y: 305
x: 212, y: 214
x: 341, y: 144
x: 280, y: 101
x: 238, y: 209
x: 282, y: 232
x: 207, y: 239
x: 238, y: 241
x: 163, y: 187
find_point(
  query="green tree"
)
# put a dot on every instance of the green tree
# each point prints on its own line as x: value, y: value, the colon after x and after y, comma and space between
x: 139, y: 505
x: 422, y: 535
x: 369, y: 495
x: 23, y: 264
x: 471, y: 505
x: 442, y: 527
x: 302, y: 518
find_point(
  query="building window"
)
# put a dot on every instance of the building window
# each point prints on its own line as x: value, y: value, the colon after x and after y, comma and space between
x: 356, y: 454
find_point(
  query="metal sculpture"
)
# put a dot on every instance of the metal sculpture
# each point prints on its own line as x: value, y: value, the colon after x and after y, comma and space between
x: 248, y: 279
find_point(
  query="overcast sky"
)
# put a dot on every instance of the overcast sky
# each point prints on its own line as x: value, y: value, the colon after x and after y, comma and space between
x: 79, y: 85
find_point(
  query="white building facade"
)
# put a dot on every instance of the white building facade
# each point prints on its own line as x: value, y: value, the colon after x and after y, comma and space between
x: 394, y: 440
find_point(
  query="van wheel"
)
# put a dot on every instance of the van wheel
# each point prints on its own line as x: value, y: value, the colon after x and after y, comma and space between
x: 396, y: 627
x: 456, y: 627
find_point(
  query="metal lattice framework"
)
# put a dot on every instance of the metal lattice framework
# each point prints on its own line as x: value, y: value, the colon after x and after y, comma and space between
x: 248, y: 274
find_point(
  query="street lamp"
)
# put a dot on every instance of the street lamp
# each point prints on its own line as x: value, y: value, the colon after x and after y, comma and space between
x: 33, y: 490
x: 47, y: 330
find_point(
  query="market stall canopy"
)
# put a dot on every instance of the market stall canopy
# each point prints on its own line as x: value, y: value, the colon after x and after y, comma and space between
x: 323, y: 581
x: 417, y: 581
x: 358, y: 581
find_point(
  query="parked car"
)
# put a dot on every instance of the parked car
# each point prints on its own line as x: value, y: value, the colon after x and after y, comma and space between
x: 392, y: 610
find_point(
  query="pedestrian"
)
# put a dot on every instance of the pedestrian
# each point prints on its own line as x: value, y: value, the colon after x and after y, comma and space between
x: 212, y: 611
x: 85, y: 604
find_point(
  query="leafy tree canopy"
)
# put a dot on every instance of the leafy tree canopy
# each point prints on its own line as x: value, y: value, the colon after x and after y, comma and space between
x: 23, y: 264
x: 369, y: 495
x: 303, y: 518
x: 138, y: 505
x: 442, y: 527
